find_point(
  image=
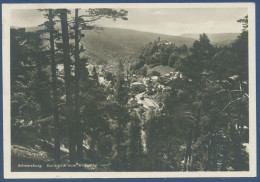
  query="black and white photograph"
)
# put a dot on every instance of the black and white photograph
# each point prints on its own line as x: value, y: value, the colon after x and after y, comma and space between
x: 129, y: 88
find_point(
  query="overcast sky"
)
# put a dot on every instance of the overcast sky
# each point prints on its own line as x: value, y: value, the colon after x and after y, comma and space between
x: 174, y: 21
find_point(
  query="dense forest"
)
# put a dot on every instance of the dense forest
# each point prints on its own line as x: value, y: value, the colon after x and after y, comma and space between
x: 164, y: 107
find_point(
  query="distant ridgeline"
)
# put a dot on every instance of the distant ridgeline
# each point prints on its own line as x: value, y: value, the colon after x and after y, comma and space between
x: 109, y: 44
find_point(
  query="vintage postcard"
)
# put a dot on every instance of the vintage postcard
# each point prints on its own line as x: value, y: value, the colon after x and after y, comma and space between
x: 129, y: 90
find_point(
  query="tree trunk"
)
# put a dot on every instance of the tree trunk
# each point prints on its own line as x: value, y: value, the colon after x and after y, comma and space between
x: 214, y: 154
x: 118, y: 145
x: 168, y: 150
x: 197, y: 129
x: 188, y: 150
x: 68, y: 84
x: 54, y: 92
x: 77, y: 99
x: 212, y: 146
x: 196, y: 136
x: 207, y: 167
x: 42, y: 91
x: 224, y: 159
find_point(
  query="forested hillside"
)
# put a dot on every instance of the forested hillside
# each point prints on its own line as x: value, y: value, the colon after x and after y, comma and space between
x: 167, y: 106
x: 111, y: 43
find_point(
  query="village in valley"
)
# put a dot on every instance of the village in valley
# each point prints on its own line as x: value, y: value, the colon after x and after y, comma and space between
x: 111, y: 99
